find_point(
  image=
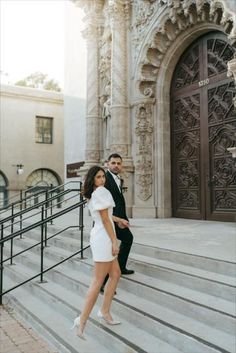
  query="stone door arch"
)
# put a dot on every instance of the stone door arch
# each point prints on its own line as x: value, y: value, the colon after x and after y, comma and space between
x: 171, y: 32
x: 203, y: 126
x: 3, y: 190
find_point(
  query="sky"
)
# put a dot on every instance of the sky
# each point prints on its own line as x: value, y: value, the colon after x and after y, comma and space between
x: 32, y: 39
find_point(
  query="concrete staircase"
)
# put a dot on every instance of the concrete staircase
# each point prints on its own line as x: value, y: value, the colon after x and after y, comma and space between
x: 175, y: 302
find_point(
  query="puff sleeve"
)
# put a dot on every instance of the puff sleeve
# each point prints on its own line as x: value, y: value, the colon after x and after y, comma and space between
x: 102, y: 199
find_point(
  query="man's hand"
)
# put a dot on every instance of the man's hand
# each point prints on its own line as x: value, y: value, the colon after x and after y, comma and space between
x: 123, y: 223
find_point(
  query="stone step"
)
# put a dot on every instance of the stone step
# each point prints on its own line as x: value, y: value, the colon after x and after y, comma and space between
x: 165, y: 315
x: 166, y: 287
x: 192, y: 260
x: 214, y: 266
x: 54, y: 325
x: 136, y: 338
x: 211, y: 283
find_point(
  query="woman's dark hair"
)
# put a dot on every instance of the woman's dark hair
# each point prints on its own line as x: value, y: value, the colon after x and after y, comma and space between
x: 89, y: 180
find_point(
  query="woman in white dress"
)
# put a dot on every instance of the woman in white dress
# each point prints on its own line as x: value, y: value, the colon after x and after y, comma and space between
x: 104, y: 248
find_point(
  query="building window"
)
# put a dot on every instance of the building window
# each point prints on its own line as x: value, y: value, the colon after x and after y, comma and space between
x: 43, y: 130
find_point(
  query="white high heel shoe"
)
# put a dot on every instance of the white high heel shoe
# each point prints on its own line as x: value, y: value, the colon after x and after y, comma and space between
x: 107, y: 321
x: 77, y: 325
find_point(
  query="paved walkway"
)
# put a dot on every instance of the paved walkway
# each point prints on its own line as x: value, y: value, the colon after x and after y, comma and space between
x: 17, y: 337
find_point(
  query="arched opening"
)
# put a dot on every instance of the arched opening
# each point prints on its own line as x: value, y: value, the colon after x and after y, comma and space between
x: 203, y: 126
x: 3, y: 190
x: 42, y: 180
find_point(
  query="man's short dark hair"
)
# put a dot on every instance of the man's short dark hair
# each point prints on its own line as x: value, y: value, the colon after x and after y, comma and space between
x: 114, y: 155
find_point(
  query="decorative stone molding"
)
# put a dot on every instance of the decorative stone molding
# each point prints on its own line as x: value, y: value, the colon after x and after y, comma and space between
x: 120, y: 149
x: 105, y: 69
x: 143, y: 12
x: 92, y: 155
x: 144, y: 150
x: 119, y: 11
x: 179, y: 15
x: 232, y: 68
x: 232, y: 72
x: 91, y: 7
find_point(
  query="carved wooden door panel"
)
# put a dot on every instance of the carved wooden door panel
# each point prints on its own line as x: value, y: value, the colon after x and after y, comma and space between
x: 203, y: 126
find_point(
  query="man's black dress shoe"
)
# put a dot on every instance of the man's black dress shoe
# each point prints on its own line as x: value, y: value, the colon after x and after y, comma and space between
x: 127, y: 272
x: 102, y: 290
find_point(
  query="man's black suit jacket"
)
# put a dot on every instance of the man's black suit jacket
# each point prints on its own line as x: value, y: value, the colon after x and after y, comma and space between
x: 120, y: 209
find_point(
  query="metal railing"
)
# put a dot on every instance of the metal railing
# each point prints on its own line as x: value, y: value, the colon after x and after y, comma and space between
x: 42, y: 225
x: 23, y: 199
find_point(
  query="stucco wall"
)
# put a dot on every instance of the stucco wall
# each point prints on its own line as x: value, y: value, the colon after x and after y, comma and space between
x: 19, y: 108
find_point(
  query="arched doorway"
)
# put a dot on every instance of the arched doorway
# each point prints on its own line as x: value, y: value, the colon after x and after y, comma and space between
x: 203, y: 126
x: 3, y: 191
x: 42, y: 180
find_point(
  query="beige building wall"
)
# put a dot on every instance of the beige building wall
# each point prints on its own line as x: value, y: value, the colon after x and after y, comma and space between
x: 19, y: 108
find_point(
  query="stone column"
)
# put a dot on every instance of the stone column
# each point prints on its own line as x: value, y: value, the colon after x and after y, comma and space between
x: 120, y: 117
x: 93, y: 10
x: 120, y: 131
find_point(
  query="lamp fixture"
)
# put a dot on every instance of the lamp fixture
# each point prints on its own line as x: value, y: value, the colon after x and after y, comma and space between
x: 19, y: 169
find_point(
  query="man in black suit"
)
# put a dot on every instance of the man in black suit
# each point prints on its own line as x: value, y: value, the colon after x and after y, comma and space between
x: 114, y: 185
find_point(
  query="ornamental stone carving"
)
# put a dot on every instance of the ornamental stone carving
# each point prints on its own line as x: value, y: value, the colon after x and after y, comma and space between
x: 144, y: 150
x: 143, y: 12
x: 179, y: 15
x: 232, y: 72
x: 120, y: 149
x: 92, y: 155
x: 91, y: 7
x: 118, y: 11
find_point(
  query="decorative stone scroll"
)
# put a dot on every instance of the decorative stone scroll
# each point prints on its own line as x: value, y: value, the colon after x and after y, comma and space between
x: 144, y: 150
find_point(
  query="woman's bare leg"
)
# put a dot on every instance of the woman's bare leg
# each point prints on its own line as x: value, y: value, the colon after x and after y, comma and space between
x: 100, y: 271
x: 114, y: 275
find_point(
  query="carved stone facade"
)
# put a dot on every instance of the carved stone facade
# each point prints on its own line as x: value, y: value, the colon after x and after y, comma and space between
x: 144, y: 150
x: 132, y: 54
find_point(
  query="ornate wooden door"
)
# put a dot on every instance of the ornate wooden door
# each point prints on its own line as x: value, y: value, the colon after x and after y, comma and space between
x: 203, y: 126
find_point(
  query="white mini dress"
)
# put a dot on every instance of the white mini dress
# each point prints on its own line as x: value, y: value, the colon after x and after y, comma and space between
x: 100, y: 241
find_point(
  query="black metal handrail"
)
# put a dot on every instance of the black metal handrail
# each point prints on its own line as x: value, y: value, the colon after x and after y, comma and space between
x: 43, y: 225
x: 36, y: 244
x: 22, y: 200
x: 42, y: 272
x: 47, y: 204
x: 39, y: 204
x: 15, y: 197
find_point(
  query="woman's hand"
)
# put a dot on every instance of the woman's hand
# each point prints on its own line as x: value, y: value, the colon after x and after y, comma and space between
x: 115, y: 248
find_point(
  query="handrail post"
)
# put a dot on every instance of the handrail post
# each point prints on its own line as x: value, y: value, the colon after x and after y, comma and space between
x: 25, y: 199
x: 81, y: 225
x: 51, y: 203
x: 12, y: 230
x: 46, y: 215
x: 1, y: 264
x: 21, y: 197
x: 42, y: 247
